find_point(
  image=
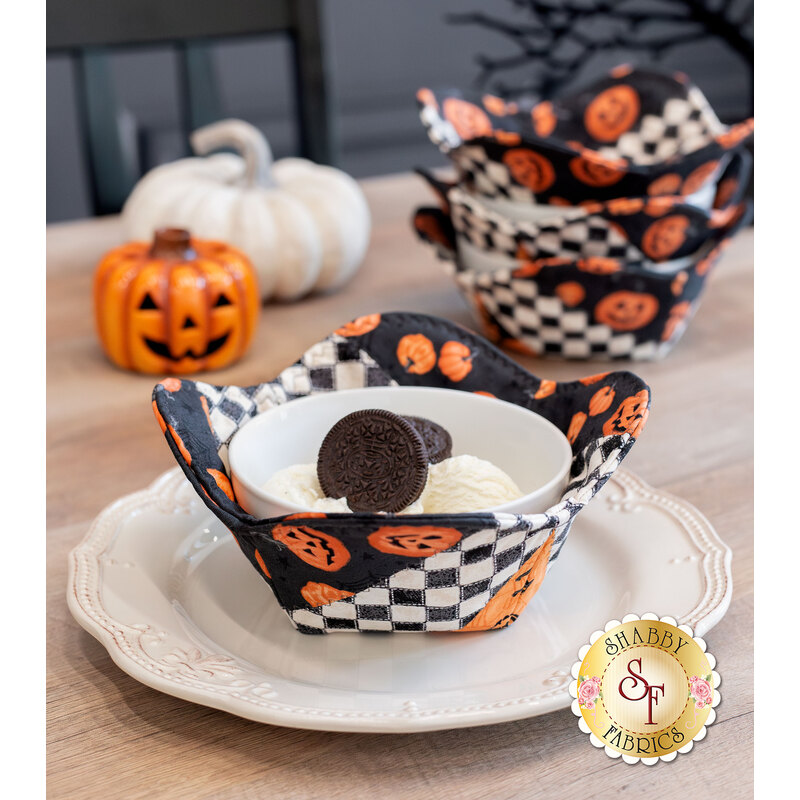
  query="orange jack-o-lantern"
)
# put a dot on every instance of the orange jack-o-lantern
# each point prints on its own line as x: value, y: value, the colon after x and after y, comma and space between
x: 665, y: 236
x: 594, y: 172
x: 468, y: 120
x: 455, y: 360
x: 320, y: 550
x: 416, y: 353
x: 529, y: 169
x: 516, y: 593
x: 407, y: 540
x: 612, y: 113
x: 630, y: 416
x: 179, y: 305
x: 626, y: 311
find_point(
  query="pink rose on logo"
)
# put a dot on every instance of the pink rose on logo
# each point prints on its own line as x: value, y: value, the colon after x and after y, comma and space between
x: 588, y: 692
x: 701, y: 691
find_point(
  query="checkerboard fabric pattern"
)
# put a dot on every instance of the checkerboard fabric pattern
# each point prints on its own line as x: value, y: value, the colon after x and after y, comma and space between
x: 545, y: 324
x: 684, y: 125
x: 450, y: 588
x: 444, y: 594
x: 587, y: 236
x: 488, y: 177
x: 328, y: 366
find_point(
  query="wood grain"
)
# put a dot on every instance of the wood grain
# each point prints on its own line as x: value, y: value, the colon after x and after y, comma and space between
x: 111, y: 737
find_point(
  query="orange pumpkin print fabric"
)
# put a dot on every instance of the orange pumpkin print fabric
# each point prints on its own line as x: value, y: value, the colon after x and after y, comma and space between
x: 626, y: 135
x: 360, y: 572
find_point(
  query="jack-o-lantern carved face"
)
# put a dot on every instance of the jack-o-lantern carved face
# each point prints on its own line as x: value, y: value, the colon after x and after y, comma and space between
x: 320, y: 550
x: 406, y: 540
x: 630, y: 416
x: 665, y: 236
x: 612, y: 113
x: 626, y: 311
x: 529, y: 169
x: 176, y: 307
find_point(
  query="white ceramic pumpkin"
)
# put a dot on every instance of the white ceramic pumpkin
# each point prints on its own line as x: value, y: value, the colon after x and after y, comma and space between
x: 304, y: 226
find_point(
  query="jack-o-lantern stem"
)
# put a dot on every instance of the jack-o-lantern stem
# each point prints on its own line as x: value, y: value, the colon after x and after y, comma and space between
x: 172, y: 244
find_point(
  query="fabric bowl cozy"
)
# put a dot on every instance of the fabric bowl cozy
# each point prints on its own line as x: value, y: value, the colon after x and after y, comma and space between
x: 633, y: 133
x: 664, y: 230
x: 385, y: 572
x: 620, y: 280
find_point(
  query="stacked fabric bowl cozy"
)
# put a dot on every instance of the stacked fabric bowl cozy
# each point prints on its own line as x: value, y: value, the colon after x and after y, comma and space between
x: 586, y: 227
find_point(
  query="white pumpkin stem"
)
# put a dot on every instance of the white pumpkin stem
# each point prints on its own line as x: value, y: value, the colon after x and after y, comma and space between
x: 243, y: 137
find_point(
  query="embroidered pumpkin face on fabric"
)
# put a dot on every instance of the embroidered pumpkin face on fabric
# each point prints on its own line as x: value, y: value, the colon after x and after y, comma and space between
x: 529, y: 169
x: 630, y: 416
x: 318, y: 549
x: 626, y: 311
x: 413, y: 541
x: 177, y: 306
x: 665, y: 236
x: 510, y: 601
x: 468, y: 120
x: 612, y: 113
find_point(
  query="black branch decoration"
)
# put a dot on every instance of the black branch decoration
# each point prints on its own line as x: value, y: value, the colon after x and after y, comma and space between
x: 556, y: 37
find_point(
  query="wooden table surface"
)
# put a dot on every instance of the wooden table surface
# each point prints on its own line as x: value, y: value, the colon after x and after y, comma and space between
x: 111, y: 737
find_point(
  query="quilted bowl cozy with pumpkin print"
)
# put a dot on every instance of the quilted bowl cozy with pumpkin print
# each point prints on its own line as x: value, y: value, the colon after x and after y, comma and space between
x: 620, y: 280
x: 645, y: 187
x: 387, y: 572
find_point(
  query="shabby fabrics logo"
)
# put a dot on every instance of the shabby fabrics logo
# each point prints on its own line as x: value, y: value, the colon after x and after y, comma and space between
x: 645, y: 689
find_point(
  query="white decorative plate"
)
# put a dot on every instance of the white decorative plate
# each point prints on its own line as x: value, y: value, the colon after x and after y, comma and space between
x: 161, y: 583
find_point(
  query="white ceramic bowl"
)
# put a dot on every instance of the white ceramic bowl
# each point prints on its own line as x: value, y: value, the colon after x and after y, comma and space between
x: 525, y: 445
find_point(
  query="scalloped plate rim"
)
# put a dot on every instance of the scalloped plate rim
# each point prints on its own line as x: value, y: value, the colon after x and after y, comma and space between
x: 410, y: 720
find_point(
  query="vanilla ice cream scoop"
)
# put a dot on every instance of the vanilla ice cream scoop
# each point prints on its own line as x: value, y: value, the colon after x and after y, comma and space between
x: 455, y: 485
x: 299, y: 484
x: 466, y: 483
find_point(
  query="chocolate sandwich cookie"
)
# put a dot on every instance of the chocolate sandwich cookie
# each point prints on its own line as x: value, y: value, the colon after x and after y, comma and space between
x: 438, y: 441
x: 375, y: 459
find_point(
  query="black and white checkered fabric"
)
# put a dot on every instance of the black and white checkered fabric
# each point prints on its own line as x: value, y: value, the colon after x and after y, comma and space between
x: 487, y: 177
x: 587, y: 236
x: 450, y: 588
x: 442, y: 595
x: 328, y: 366
x: 685, y: 125
x: 546, y: 325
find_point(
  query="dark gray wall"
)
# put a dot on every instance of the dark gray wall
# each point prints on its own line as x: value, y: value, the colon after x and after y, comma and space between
x: 380, y: 52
